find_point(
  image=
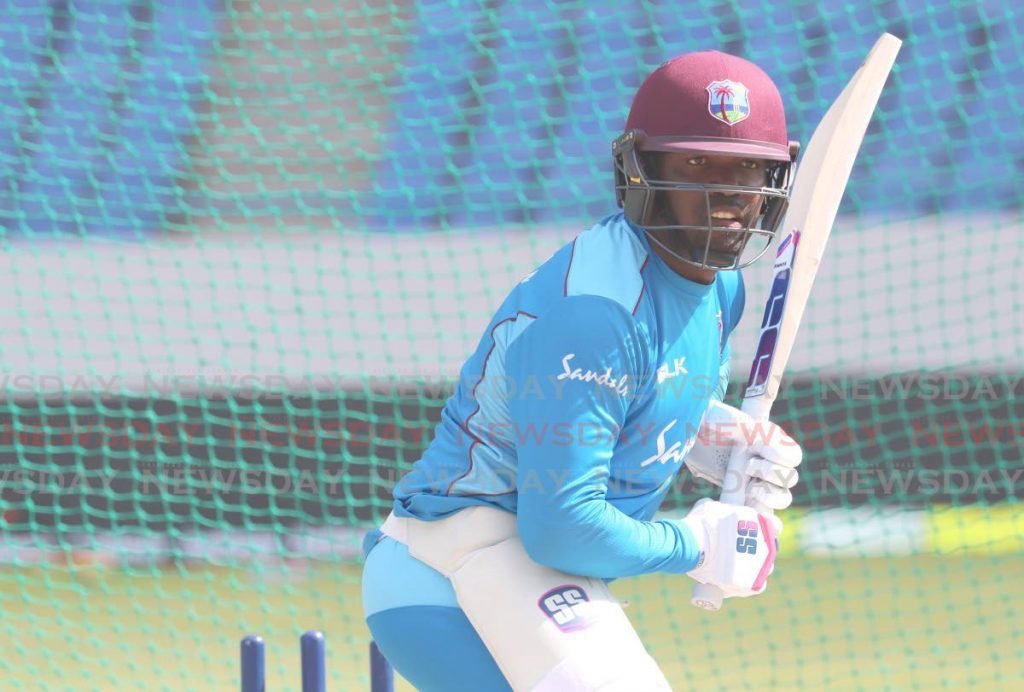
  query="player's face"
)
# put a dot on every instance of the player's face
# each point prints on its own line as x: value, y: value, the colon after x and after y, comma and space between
x: 729, y: 210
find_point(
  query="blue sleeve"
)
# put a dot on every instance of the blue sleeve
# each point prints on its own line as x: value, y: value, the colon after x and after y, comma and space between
x: 564, y: 518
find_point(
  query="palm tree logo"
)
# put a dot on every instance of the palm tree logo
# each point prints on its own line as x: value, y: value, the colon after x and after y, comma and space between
x: 721, y: 91
x: 728, y: 101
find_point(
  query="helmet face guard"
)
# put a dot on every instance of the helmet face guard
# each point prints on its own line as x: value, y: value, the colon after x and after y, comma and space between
x: 642, y: 197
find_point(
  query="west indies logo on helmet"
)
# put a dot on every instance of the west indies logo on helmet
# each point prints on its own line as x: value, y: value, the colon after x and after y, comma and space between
x: 706, y: 104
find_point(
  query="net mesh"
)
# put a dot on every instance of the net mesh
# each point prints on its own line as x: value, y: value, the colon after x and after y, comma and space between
x: 247, y: 246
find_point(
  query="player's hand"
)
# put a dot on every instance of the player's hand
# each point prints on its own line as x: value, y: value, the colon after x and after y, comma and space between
x: 738, y: 546
x: 771, y: 456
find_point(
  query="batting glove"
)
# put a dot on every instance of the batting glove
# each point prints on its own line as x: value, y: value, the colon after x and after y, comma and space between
x: 738, y: 546
x: 770, y: 456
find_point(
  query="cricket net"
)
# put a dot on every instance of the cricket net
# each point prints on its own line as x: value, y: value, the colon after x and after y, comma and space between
x: 248, y: 245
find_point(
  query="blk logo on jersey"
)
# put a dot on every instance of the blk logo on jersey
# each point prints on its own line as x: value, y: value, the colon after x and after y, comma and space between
x: 678, y: 368
x: 566, y: 607
x: 674, y: 453
x: 728, y: 101
x: 746, y: 537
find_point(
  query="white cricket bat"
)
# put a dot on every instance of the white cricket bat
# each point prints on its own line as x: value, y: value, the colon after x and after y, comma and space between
x: 818, y: 187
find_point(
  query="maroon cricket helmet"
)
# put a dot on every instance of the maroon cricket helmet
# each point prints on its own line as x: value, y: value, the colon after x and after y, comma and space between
x: 710, y: 103
x: 713, y: 103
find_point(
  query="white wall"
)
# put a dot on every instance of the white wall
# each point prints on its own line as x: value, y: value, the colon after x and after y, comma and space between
x: 322, y: 305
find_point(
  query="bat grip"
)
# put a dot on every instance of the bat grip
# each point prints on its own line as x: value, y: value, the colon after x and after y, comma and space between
x: 734, y: 490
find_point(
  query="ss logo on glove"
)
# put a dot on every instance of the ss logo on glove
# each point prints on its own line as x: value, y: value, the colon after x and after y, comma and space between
x: 746, y: 537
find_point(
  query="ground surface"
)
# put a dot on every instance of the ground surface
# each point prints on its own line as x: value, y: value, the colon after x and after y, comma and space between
x: 897, y: 623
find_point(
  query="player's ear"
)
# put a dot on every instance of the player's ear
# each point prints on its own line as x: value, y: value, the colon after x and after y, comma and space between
x: 654, y: 164
x: 651, y: 161
x: 632, y: 187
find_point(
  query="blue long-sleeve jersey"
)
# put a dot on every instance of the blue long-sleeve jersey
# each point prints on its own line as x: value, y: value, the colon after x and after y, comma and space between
x: 579, y: 404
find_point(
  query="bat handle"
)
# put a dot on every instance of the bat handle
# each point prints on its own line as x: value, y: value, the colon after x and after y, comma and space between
x: 707, y: 596
x: 734, y: 490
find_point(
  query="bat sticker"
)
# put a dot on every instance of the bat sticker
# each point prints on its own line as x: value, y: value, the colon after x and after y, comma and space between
x: 761, y: 368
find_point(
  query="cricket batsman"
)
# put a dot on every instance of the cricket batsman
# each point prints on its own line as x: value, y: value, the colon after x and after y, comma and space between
x: 600, y: 376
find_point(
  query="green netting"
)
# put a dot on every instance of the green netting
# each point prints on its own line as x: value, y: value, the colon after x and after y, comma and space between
x: 247, y: 247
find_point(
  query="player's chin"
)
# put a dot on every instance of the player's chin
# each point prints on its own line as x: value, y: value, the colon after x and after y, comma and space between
x: 728, y: 241
x: 724, y: 253
x: 720, y: 260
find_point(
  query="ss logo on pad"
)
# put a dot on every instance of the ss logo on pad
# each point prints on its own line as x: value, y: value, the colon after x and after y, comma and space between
x: 565, y: 606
